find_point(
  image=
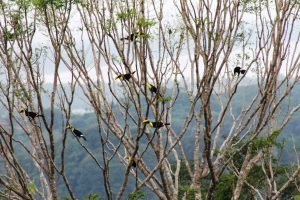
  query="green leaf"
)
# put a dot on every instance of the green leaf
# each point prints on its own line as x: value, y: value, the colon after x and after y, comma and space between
x: 31, y: 188
x: 146, y: 23
x: 266, y: 142
x: 138, y: 195
x: 190, y: 192
x: 8, y: 35
x: 109, y: 24
x: 40, y: 3
x: 216, y: 152
x: 44, y: 3
x: 165, y: 99
x: 93, y: 196
x: 129, y: 13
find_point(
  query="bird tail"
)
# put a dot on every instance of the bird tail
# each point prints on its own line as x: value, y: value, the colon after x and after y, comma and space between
x: 40, y: 115
x: 133, y: 72
x: 83, y: 138
x: 133, y: 164
x: 243, y: 71
x: 167, y: 124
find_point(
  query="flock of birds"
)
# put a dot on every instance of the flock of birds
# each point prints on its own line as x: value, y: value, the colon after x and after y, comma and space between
x: 125, y: 77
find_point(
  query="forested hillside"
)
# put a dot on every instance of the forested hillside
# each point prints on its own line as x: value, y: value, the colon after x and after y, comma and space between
x: 86, y: 178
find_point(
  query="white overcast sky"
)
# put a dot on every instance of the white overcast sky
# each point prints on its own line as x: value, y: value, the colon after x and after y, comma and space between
x: 170, y: 13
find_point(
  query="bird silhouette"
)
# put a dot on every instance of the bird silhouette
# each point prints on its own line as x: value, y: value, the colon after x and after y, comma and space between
x: 157, y: 125
x: 132, y: 36
x: 76, y: 132
x: 125, y: 77
x: 238, y: 71
x: 29, y: 114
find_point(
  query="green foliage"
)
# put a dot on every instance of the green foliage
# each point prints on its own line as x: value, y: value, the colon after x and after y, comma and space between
x: 281, y: 172
x: 224, y: 188
x: 109, y: 24
x: 184, y: 181
x: 31, y: 187
x: 14, y: 29
x: 188, y: 191
x: 253, y: 6
x: 266, y: 142
x: 297, y: 197
x: 146, y: 23
x: 239, y: 37
x: 129, y: 13
x: 116, y: 58
x: 8, y: 35
x: 42, y: 4
x: 138, y: 195
x: 83, y: 3
x: 76, y: 161
x: 22, y: 94
x: 165, y: 99
x: 3, y: 4
x: 92, y: 196
x: 58, y: 3
x: 25, y: 4
x: 16, y: 19
x: 232, y: 151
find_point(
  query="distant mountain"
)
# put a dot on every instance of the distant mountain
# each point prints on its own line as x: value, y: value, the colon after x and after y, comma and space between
x: 84, y: 175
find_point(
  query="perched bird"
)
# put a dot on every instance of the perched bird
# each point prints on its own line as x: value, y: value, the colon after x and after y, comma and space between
x: 76, y: 132
x: 238, y: 70
x: 29, y: 114
x: 132, y: 36
x: 155, y: 124
x: 130, y: 160
x: 125, y: 76
x: 152, y: 88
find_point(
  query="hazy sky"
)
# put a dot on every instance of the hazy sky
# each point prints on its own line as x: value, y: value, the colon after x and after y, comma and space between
x: 170, y: 18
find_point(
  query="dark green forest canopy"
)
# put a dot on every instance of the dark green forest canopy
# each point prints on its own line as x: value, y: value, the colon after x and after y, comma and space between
x: 82, y: 169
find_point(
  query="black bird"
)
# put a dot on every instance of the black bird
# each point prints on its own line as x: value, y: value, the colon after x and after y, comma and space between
x: 125, y: 76
x: 132, y: 36
x: 152, y: 88
x: 76, y: 132
x: 29, y: 114
x: 238, y: 70
x: 155, y: 124
x: 130, y: 160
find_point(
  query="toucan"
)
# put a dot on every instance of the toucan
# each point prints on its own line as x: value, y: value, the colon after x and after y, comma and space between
x: 76, y: 132
x: 238, y: 70
x: 30, y: 114
x: 132, y: 36
x: 130, y: 160
x: 125, y: 76
x: 155, y: 124
x: 152, y: 88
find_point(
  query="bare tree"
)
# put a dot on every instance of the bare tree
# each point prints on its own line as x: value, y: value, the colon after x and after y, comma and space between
x: 134, y: 60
